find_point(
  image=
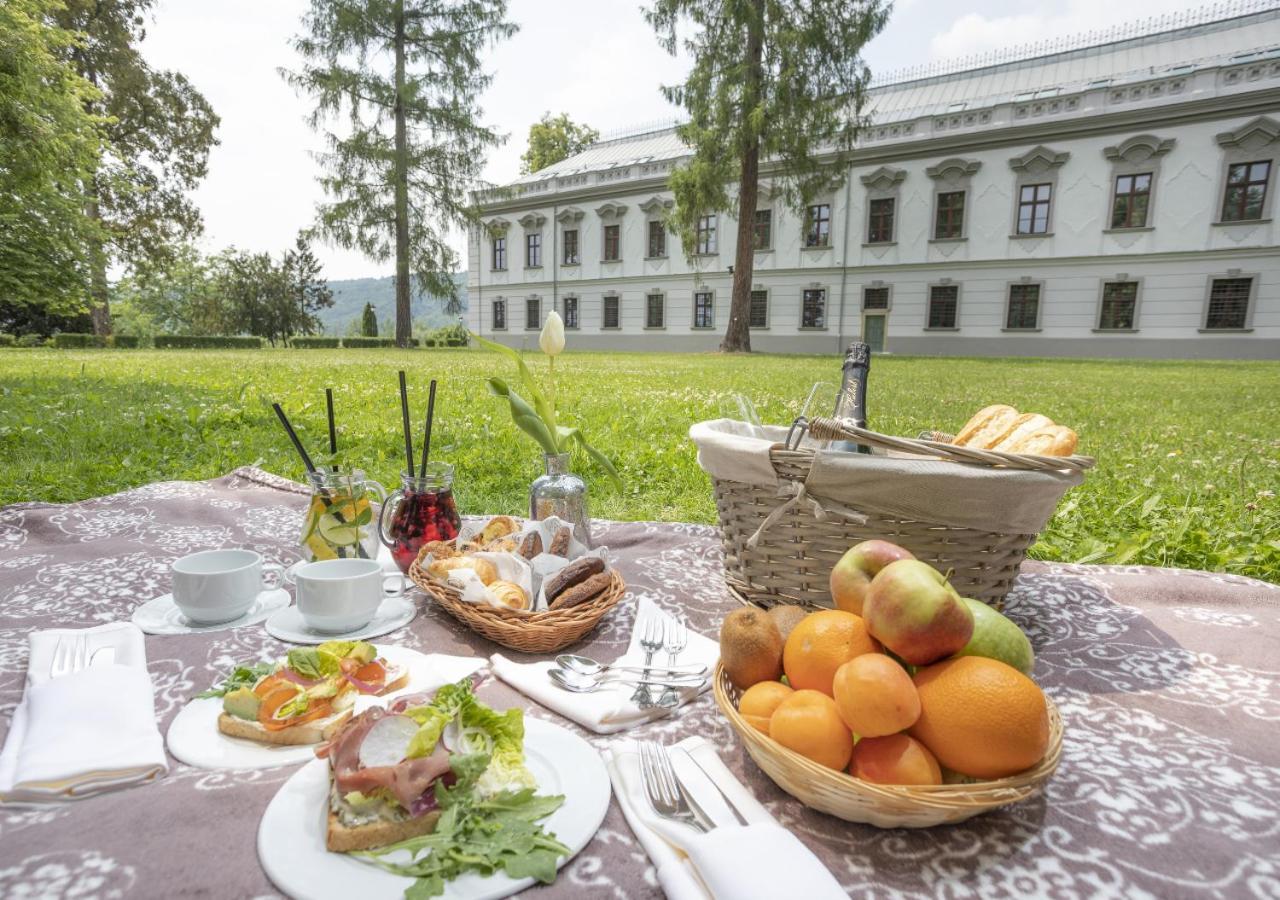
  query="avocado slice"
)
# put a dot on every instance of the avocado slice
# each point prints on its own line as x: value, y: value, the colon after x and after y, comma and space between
x: 242, y: 703
x: 323, y: 690
x: 363, y: 652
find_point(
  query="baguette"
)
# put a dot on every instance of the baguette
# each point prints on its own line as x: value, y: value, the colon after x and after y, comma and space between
x: 1026, y: 425
x: 306, y: 733
x: 1055, y: 440
x: 987, y: 427
x: 345, y: 838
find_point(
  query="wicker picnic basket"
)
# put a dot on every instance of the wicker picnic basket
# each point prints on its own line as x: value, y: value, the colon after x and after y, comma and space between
x: 539, y: 632
x: 885, y: 806
x: 782, y: 531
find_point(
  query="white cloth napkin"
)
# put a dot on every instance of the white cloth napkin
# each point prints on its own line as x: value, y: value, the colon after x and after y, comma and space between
x: 758, y: 861
x: 85, y: 733
x: 610, y: 709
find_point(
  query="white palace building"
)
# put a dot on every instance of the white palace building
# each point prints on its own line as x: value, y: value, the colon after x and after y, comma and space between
x: 1110, y: 196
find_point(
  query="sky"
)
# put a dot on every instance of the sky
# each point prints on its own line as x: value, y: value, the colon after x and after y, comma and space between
x: 597, y: 60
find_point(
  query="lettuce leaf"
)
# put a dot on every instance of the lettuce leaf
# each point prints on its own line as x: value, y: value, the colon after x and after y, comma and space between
x: 433, y: 717
x: 506, y: 771
x: 314, y: 662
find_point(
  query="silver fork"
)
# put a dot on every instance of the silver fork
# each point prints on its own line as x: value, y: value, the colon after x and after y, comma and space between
x: 650, y: 642
x: 666, y: 795
x: 677, y: 639
x: 69, y: 656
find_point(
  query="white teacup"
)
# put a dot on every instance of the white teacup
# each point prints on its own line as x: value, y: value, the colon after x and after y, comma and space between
x: 340, y: 595
x: 215, y: 586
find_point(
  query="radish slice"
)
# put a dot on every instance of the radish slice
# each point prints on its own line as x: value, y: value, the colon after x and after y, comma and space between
x: 387, y: 741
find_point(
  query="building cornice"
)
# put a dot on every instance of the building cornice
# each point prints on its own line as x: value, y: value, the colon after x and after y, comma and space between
x: 1260, y: 132
x: 1139, y: 148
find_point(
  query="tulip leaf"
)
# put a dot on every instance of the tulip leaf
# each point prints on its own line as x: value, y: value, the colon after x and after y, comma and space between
x: 524, y: 415
x: 575, y: 434
x: 539, y: 401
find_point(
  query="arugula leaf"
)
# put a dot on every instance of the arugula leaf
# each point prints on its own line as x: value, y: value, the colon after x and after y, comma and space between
x: 239, y: 677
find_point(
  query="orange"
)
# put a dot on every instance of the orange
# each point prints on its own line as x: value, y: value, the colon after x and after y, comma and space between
x: 808, y: 723
x: 759, y: 702
x: 894, y: 759
x: 875, y: 695
x: 981, y: 717
x: 821, y: 643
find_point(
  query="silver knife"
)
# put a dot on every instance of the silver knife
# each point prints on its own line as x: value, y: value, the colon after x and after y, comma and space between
x: 727, y: 802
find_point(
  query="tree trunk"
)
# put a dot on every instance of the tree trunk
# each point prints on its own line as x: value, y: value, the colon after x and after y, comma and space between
x: 737, y: 337
x: 404, y: 323
x: 99, y: 299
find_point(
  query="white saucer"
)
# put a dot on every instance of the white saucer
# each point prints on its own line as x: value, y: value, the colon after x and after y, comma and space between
x: 162, y: 616
x: 394, y: 612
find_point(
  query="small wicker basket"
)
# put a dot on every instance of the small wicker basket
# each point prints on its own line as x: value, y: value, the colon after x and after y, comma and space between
x: 885, y: 806
x: 791, y: 559
x: 539, y: 632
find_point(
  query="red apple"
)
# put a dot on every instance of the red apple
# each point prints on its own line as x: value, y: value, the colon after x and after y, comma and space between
x: 913, y: 610
x: 853, y: 573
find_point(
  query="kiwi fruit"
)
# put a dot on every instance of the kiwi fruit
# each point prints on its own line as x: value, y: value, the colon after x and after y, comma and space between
x: 785, y: 617
x: 750, y: 647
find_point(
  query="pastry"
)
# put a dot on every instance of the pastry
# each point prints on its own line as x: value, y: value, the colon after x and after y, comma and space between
x: 531, y: 546
x: 438, y: 550
x: 509, y: 594
x: 1054, y: 440
x: 987, y: 427
x: 502, y: 545
x: 485, y: 570
x: 498, y: 527
x: 582, y: 592
x: 560, y: 541
x: 571, y: 575
x: 1024, y: 426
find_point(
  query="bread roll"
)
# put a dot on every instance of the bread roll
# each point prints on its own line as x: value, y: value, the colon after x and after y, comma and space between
x: 485, y: 570
x: 987, y: 427
x: 509, y: 594
x: 1054, y: 440
x: 1025, y: 425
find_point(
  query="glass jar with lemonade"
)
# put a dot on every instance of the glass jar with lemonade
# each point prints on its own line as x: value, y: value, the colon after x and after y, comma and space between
x: 338, y: 523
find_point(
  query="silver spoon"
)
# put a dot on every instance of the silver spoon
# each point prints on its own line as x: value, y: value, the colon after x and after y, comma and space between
x: 585, y: 665
x: 584, y: 684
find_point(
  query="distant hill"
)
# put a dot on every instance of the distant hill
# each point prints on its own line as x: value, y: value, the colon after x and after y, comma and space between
x: 350, y: 296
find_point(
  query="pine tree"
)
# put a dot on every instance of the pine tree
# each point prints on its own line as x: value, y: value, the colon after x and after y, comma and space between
x: 404, y: 77
x: 369, y: 321
x: 774, y: 82
x: 308, y: 289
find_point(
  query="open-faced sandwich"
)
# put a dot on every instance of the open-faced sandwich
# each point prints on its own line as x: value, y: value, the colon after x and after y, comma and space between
x: 444, y: 778
x: 306, y: 697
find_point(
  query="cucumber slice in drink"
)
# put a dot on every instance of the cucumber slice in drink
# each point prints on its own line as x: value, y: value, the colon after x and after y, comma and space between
x: 339, y: 534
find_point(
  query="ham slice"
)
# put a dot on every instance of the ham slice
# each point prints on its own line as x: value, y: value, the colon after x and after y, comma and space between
x: 407, y: 780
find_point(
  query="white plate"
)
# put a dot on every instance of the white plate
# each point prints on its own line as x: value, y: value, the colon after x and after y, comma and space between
x: 162, y: 616
x: 394, y: 612
x: 195, y: 739
x: 292, y: 833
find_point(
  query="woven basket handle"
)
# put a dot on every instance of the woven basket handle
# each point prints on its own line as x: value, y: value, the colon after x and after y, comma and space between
x: 842, y: 429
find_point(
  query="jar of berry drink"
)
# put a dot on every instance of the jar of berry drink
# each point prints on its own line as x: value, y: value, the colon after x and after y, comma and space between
x: 420, y: 510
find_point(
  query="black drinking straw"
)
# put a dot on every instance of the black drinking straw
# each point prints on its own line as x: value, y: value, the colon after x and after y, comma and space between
x: 426, y: 433
x: 293, y: 436
x: 404, y: 415
x: 333, y: 431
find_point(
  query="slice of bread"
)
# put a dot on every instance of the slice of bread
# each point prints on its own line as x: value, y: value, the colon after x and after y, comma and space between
x: 307, y: 733
x: 343, y: 838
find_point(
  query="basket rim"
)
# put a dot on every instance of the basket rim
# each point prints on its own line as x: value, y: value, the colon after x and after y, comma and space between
x: 501, y: 615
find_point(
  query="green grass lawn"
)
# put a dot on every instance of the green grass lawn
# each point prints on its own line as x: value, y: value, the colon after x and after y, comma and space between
x: 1189, y: 452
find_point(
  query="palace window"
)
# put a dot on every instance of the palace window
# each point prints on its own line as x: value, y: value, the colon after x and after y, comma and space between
x: 813, y: 308
x: 1033, y: 208
x: 570, y: 312
x: 949, y: 222
x: 1131, y: 202
x: 1023, y: 312
x: 571, y: 247
x: 499, y: 254
x: 611, y: 317
x: 875, y: 298
x: 759, y: 317
x: 499, y: 315
x: 657, y: 240
x: 533, y: 250
x: 817, y: 225
x: 612, y: 242
x: 704, y: 310
x: 1246, y: 191
x: 1228, y: 303
x: 655, y: 311
x: 762, y: 230
x: 532, y: 313
x: 943, y: 302
x: 880, y: 221
x: 705, y: 242
x: 1119, y: 306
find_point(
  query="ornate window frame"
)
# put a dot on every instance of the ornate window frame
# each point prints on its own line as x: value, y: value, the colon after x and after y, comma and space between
x: 1257, y: 140
x: 1008, y: 295
x: 1254, y: 279
x: 1039, y: 165
x: 655, y: 292
x: 954, y: 175
x: 497, y: 229
x: 885, y: 183
x: 564, y: 302
x: 826, y: 307
x: 611, y: 213
x: 532, y: 224
x: 570, y: 219
x: 1137, y: 302
x: 693, y: 309
x: 533, y: 298
x: 768, y: 307
x: 877, y: 285
x: 1137, y: 155
x: 604, y: 303
x: 655, y: 209
x: 928, y: 300
x: 493, y: 314
x: 765, y: 196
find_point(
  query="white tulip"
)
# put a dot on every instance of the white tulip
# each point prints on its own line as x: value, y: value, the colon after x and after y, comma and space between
x: 551, y: 340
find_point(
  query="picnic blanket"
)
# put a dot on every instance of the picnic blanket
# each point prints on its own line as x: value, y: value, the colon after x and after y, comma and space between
x: 1167, y: 682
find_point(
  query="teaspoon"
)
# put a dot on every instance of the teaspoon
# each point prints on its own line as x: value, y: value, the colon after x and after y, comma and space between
x: 585, y: 665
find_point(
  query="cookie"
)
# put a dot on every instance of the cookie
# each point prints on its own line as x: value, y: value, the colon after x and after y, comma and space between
x: 582, y: 592
x: 560, y: 541
x: 571, y: 575
x: 531, y: 546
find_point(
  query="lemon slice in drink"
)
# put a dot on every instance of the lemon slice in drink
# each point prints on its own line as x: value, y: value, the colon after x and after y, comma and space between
x: 339, y: 534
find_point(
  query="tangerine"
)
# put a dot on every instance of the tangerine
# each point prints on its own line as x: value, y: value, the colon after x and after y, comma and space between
x: 894, y: 759
x: 759, y: 702
x: 875, y: 695
x: 820, y: 644
x: 808, y: 723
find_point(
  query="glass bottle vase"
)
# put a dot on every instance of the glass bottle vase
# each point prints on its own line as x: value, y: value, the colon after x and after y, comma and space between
x: 562, y: 494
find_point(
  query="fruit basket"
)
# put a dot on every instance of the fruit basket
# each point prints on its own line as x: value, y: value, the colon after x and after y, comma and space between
x: 538, y: 632
x: 885, y: 806
x: 787, y: 515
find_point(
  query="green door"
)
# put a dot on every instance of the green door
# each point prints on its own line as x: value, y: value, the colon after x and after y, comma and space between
x: 873, y: 332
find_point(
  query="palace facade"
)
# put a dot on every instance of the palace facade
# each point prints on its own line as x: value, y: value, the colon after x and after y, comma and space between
x: 1112, y: 198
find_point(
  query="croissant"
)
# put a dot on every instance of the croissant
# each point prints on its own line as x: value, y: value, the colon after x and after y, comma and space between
x: 509, y: 594
x: 485, y: 570
x: 498, y: 527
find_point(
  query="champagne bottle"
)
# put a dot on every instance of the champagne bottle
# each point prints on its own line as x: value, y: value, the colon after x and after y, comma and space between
x: 851, y: 401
